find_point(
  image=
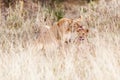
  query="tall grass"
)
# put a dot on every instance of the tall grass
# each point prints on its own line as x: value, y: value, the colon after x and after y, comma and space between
x: 97, y: 58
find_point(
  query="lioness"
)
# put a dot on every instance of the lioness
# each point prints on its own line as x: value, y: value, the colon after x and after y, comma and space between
x: 69, y: 30
x: 65, y: 31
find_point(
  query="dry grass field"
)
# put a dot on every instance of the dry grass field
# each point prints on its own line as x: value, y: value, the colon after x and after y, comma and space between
x: 23, y: 57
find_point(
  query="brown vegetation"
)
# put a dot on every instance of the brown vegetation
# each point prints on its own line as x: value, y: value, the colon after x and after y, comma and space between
x: 35, y: 43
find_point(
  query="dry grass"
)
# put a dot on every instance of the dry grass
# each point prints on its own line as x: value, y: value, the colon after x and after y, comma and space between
x: 97, y: 58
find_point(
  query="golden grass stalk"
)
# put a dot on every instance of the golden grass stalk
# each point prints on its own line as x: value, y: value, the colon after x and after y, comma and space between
x: 97, y: 58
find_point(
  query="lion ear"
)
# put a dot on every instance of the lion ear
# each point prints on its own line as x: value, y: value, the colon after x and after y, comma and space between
x: 61, y: 22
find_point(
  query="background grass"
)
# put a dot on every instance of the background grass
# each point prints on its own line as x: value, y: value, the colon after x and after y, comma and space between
x: 97, y: 58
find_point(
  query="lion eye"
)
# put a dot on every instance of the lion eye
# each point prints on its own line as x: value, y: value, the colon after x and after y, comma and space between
x: 87, y: 30
x: 78, y: 30
x: 68, y: 30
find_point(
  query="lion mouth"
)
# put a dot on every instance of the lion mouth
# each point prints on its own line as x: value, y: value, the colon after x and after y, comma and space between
x: 81, y: 38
